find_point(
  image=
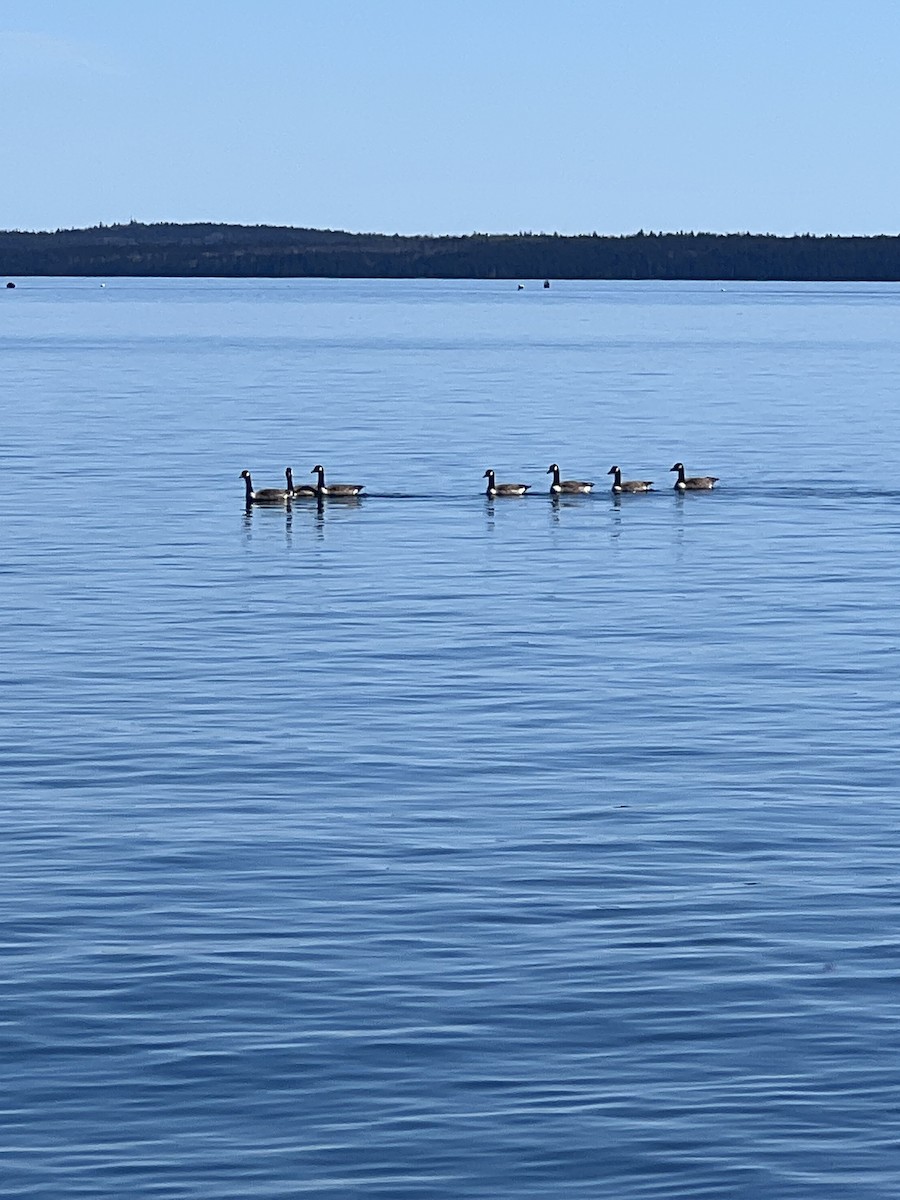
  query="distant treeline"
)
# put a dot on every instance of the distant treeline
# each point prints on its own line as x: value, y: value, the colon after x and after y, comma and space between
x: 240, y: 251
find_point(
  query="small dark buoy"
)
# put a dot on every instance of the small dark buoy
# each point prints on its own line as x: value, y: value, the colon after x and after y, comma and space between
x: 521, y: 287
x: 10, y: 284
x: 546, y: 283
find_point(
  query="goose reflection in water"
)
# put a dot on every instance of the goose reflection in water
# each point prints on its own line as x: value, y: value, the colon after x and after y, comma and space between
x: 303, y: 511
x: 272, y: 511
x: 561, y: 500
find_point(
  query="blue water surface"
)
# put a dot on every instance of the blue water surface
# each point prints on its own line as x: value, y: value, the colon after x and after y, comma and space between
x: 428, y: 847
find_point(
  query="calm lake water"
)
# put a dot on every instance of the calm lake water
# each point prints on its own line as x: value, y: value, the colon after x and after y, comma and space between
x: 435, y: 848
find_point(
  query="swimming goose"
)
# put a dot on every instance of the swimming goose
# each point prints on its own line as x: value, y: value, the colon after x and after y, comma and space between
x: 693, y: 483
x: 566, y: 486
x: 334, y: 489
x: 503, y: 489
x: 630, y: 485
x: 264, y: 495
x: 305, y: 491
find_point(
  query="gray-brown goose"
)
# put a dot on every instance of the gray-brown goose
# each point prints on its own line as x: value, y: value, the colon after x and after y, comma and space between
x: 336, y: 490
x: 693, y: 483
x: 503, y: 489
x: 305, y: 491
x: 567, y: 487
x: 629, y: 485
x: 264, y: 495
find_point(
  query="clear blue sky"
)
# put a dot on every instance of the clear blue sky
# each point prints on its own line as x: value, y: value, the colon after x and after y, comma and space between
x: 448, y: 116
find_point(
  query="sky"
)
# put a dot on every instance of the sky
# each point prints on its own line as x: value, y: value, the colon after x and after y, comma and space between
x: 453, y: 116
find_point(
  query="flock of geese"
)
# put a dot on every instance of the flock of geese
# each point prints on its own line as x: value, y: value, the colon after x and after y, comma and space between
x: 565, y: 487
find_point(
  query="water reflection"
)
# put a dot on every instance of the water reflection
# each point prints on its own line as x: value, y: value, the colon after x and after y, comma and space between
x: 296, y: 510
x: 490, y: 501
x: 678, y: 536
x: 616, y: 530
x: 559, y: 502
x: 273, y: 511
x: 339, y: 502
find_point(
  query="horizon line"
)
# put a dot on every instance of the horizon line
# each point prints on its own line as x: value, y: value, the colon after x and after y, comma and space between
x: 521, y: 233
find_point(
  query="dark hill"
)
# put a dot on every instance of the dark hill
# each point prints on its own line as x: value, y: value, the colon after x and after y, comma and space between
x: 280, y: 252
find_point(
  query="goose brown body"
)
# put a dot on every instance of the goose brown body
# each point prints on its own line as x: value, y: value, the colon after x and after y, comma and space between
x: 503, y: 489
x: 567, y: 486
x: 264, y: 495
x: 305, y: 491
x: 336, y: 490
x: 693, y: 483
x: 628, y: 485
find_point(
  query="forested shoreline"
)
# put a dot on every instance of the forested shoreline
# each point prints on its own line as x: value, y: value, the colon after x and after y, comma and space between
x: 241, y: 251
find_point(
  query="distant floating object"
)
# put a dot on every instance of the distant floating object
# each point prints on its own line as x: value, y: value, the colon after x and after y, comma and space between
x: 546, y: 283
x: 520, y: 287
x: 103, y: 285
x: 10, y: 285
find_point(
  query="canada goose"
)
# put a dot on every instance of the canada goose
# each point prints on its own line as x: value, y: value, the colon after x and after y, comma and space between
x: 306, y: 491
x: 566, y: 486
x: 630, y: 485
x: 503, y: 489
x: 265, y: 495
x: 334, y: 489
x: 693, y: 483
